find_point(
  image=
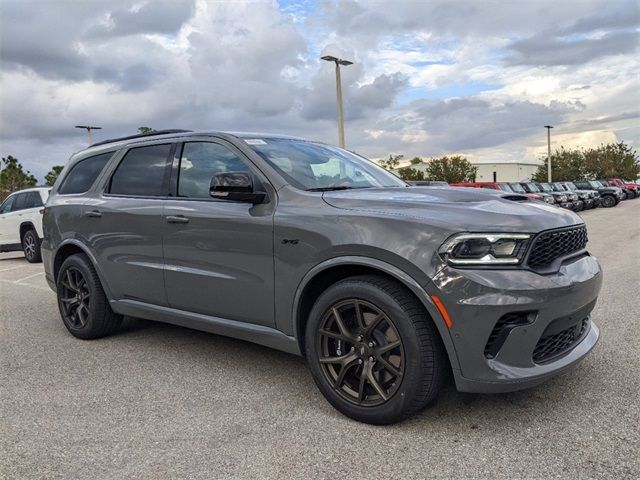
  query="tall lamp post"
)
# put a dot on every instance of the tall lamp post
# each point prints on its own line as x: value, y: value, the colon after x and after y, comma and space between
x: 338, y: 62
x: 88, y: 129
x: 548, y: 127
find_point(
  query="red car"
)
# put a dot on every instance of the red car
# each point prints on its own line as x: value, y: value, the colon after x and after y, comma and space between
x: 626, y: 186
x: 506, y: 187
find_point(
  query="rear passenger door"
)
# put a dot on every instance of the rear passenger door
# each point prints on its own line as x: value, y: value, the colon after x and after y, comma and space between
x: 218, y: 253
x: 124, y: 225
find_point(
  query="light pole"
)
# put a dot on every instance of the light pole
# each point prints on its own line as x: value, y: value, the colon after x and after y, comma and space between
x: 338, y: 62
x: 548, y: 127
x: 88, y: 129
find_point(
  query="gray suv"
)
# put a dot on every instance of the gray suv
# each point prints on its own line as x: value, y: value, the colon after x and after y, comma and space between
x: 316, y: 251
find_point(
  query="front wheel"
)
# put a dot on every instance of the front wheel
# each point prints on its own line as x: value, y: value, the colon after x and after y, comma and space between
x: 31, y: 247
x: 608, y: 201
x: 372, y: 350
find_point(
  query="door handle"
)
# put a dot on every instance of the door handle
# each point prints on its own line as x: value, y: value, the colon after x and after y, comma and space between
x: 93, y: 214
x: 177, y: 219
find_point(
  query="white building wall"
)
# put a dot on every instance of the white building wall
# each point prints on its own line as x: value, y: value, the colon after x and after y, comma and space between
x: 504, y: 172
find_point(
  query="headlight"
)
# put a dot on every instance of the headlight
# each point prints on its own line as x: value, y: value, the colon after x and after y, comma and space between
x: 562, y: 198
x: 549, y: 200
x: 485, y: 249
x: 584, y: 196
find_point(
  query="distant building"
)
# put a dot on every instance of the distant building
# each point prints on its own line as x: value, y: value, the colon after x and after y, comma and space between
x: 505, y: 171
x: 490, y: 172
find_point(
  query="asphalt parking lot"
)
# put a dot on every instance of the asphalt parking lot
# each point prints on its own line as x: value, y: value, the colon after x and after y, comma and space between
x: 159, y: 401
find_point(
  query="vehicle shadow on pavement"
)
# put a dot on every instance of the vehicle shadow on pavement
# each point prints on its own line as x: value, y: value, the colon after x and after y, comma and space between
x: 289, y: 375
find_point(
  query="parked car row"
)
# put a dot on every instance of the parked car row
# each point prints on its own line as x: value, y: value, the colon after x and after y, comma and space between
x: 576, y: 196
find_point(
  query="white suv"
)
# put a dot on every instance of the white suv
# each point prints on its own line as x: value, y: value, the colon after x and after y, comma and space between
x: 21, y: 222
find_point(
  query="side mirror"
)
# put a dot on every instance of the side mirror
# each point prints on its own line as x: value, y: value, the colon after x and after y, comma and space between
x: 236, y: 187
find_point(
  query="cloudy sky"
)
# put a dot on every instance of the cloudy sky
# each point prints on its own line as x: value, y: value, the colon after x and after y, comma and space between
x: 475, y: 77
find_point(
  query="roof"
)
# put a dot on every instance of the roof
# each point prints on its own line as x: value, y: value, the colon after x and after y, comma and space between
x: 177, y: 133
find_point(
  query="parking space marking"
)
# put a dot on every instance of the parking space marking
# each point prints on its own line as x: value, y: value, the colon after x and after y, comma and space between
x: 13, y: 282
x: 28, y: 277
x: 10, y: 268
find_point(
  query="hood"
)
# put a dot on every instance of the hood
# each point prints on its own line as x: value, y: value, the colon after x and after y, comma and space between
x: 459, y: 209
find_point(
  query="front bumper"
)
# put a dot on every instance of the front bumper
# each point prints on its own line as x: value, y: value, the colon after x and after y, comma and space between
x: 477, y: 299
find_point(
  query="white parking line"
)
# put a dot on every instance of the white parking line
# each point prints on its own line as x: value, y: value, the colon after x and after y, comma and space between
x: 11, y: 268
x: 28, y: 277
x: 38, y: 287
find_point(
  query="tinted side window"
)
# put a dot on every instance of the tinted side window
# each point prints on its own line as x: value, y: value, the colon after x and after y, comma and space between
x: 20, y: 202
x: 33, y: 200
x: 200, y: 162
x: 7, y: 204
x: 141, y: 171
x: 83, y: 174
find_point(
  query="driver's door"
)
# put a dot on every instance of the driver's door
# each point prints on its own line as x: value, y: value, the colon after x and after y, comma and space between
x: 218, y: 253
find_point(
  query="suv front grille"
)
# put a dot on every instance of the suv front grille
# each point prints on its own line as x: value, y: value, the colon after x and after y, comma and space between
x: 549, y: 246
x: 552, y: 345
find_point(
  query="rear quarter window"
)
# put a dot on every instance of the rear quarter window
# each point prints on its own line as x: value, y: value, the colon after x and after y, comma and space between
x: 83, y: 174
x: 142, y: 172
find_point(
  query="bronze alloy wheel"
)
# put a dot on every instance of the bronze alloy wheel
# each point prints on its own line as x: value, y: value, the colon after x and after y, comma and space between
x: 75, y: 298
x: 360, y: 352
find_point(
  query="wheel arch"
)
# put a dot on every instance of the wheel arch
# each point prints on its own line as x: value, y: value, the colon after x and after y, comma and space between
x: 325, y: 274
x: 72, y: 247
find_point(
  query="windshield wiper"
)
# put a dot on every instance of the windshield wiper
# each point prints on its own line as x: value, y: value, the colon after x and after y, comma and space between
x: 331, y: 189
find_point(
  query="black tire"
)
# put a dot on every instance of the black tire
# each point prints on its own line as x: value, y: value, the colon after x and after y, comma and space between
x: 423, y: 359
x: 31, y: 247
x: 93, y: 316
x: 608, y: 201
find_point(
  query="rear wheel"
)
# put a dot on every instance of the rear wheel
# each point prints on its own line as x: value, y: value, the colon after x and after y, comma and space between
x: 608, y: 201
x: 372, y: 350
x: 83, y: 305
x: 31, y: 247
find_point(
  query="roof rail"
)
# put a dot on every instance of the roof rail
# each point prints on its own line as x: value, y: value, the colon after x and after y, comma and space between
x: 140, y: 135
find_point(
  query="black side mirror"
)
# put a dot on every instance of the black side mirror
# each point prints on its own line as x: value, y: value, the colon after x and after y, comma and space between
x: 236, y: 187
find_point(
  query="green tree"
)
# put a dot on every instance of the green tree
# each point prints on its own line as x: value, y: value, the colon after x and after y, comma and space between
x: 613, y: 160
x: 416, y: 161
x: 409, y: 173
x: 13, y: 177
x: 566, y: 165
x: 454, y: 169
x: 392, y: 162
x: 144, y: 130
x: 51, y: 177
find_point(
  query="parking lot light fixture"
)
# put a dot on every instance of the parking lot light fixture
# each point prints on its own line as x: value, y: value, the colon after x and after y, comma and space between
x: 339, y: 62
x: 548, y: 127
x: 88, y: 128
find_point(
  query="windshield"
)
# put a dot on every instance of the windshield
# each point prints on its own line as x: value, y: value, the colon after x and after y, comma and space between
x: 558, y: 187
x: 516, y: 187
x: 571, y: 186
x: 532, y: 187
x: 504, y: 187
x: 545, y: 187
x: 314, y: 166
x: 595, y: 184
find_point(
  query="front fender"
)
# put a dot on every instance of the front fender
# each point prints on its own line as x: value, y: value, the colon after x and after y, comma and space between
x: 422, y: 292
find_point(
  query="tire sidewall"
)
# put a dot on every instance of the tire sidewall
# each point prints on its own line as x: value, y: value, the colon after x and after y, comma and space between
x: 411, y: 382
x: 608, y: 201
